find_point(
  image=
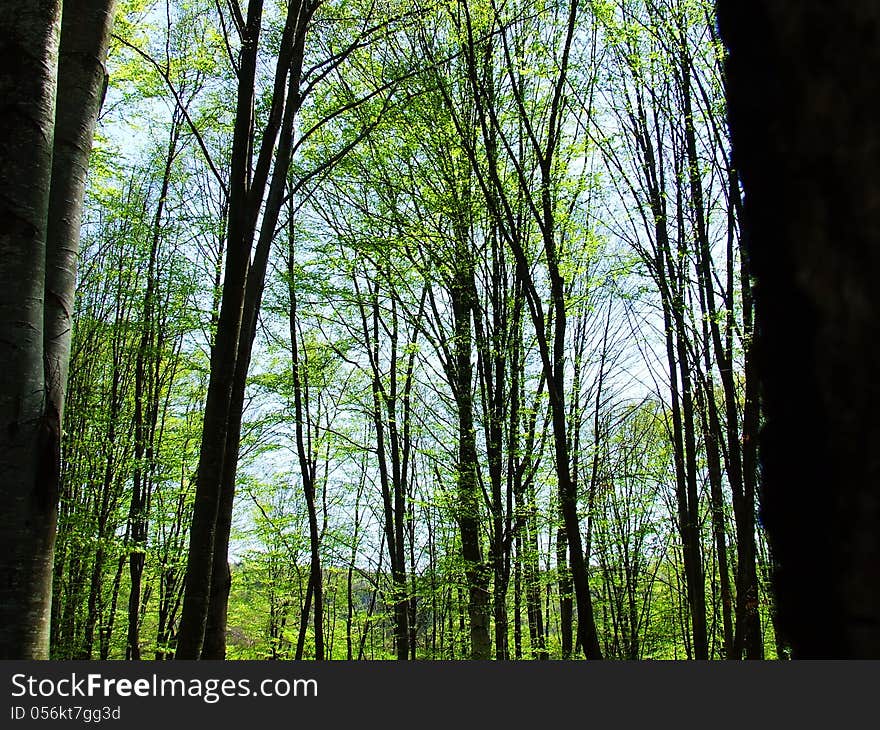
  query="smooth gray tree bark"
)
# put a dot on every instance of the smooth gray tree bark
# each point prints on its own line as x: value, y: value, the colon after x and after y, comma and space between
x: 44, y: 155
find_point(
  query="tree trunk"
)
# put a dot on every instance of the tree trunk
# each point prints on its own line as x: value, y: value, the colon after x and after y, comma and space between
x: 566, y: 593
x: 42, y: 206
x: 468, y: 489
x: 29, y: 431
x: 82, y: 81
x: 199, y: 569
x: 802, y: 86
x: 307, y: 463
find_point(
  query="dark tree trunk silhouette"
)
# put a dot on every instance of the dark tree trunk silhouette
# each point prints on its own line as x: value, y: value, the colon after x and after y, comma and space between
x: 469, y: 518
x: 802, y: 86
x: 196, y: 602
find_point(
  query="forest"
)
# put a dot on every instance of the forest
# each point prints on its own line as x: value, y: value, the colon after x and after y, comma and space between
x: 393, y: 329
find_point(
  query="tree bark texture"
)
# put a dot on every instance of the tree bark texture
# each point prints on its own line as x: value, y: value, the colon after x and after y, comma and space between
x: 43, y: 57
x: 28, y: 58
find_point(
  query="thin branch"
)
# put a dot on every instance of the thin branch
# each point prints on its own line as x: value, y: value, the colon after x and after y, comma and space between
x: 181, y: 106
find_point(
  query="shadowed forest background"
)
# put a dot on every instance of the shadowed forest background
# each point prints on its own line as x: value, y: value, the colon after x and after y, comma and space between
x: 412, y: 330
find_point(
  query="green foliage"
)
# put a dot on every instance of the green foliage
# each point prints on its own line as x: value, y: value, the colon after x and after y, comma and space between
x: 442, y: 154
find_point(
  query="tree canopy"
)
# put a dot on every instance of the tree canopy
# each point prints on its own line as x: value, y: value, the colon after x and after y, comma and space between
x: 392, y: 330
